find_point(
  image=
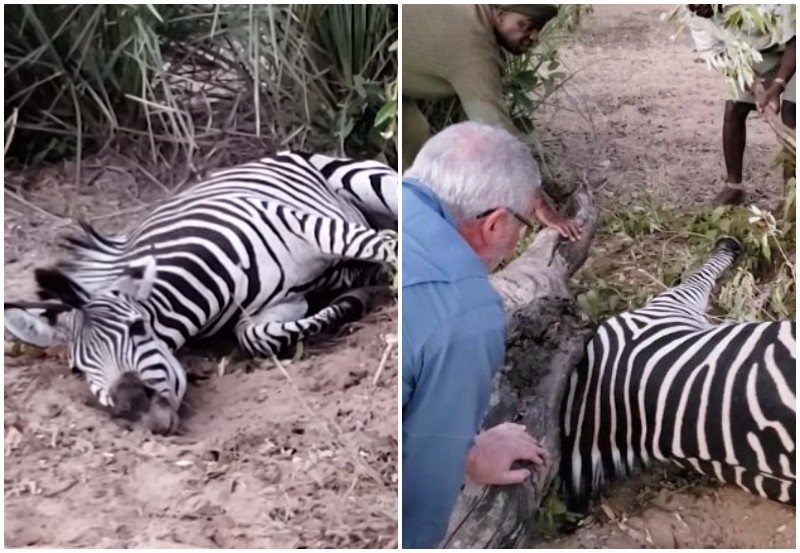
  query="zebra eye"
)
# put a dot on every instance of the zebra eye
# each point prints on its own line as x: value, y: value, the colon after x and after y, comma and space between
x: 137, y: 328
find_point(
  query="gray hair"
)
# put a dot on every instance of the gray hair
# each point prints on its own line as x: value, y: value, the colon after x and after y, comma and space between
x: 473, y: 168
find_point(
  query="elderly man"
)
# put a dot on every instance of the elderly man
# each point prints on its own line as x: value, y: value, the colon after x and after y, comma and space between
x: 466, y: 200
x: 456, y: 49
x: 773, y: 87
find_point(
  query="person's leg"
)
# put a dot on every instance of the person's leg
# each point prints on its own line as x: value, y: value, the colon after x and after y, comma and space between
x: 788, y: 114
x: 415, y: 131
x: 788, y: 109
x: 734, y: 139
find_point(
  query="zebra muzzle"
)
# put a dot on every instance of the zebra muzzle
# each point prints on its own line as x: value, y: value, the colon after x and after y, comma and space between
x: 134, y: 401
x: 130, y: 398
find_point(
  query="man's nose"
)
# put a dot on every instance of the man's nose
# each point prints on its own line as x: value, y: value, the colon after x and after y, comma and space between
x: 534, y: 36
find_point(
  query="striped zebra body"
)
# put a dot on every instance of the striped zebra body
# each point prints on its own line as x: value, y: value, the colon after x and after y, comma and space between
x: 245, y: 240
x: 663, y: 384
x: 252, y: 249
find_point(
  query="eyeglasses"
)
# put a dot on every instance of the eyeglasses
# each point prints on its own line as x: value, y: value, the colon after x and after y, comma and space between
x: 521, y: 218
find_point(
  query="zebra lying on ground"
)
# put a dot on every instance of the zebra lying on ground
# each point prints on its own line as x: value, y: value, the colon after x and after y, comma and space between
x: 662, y: 383
x: 275, y: 250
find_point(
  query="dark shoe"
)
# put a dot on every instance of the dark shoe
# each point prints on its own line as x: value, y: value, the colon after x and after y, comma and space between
x: 730, y: 196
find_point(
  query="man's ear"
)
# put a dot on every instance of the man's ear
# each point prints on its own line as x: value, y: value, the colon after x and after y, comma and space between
x: 137, y: 279
x: 495, y: 220
x: 37, y: 323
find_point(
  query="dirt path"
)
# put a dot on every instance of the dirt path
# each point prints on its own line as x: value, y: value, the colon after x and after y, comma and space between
x: 645, y: 114
x: 644, y: 117
x: 265, y: 459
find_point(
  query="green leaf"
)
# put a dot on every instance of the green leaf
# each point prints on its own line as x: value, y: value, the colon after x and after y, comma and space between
x: 387, y: 112
x: 765, y: 249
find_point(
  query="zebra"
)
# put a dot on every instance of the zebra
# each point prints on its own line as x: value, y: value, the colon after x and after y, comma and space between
x: 662, y: 383
x: 275, y: 251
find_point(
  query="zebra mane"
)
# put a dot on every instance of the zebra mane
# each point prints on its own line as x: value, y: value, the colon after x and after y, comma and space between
x: 93, y: 245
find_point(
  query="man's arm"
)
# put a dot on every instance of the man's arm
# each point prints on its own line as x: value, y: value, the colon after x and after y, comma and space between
x: 480, y: 91
x: 768, y: 94
x: 479, y: 87
x: 788, y: 62
x: 451, y: 392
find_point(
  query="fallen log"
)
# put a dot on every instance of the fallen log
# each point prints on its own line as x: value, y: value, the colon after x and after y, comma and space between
x: 546, y: 340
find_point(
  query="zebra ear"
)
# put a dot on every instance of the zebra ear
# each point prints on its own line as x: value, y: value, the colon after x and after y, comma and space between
x: 38, y: 324
x: 137, y: 279
x: 54, y: 284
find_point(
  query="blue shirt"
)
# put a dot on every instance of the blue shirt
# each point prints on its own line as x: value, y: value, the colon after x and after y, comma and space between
x: 453, y: 343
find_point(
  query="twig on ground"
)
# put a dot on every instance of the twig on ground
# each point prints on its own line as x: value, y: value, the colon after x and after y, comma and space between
x: 334, y: 429
x: 150, y: 176
x: 120, y: 212
x: 18, y: 197
x: 391, y: 342
x: 10, y: 127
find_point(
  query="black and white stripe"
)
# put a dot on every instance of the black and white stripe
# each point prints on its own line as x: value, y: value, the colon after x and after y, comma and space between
x: 663, y: 384
x: 250, y: 249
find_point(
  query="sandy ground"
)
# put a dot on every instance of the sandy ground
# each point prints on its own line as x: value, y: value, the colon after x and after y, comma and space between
x: 643, y: 117
x: 302, y: 458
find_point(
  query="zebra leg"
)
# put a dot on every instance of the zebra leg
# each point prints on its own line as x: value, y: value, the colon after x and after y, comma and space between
x: 694, y: 292
x: 369, y: 185
x: 263, y: 336
x: 348, y: 275
x: 344, y: 239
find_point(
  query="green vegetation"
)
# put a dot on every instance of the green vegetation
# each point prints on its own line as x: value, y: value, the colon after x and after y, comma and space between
x: 643, y: 250
x: 647, y: 248
x: 553, y: 514
x: 313, y: 76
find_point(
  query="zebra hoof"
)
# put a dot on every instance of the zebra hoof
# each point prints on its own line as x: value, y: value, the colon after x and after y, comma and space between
x: 359, y: 301
x: 730, y: 244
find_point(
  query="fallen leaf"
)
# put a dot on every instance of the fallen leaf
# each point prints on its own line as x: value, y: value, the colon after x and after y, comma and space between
x: 222, y: 366
x: 608, y: 511
x: 13, y: 439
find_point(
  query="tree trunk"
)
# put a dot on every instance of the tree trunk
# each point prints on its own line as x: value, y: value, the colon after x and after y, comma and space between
x: 546, y: 340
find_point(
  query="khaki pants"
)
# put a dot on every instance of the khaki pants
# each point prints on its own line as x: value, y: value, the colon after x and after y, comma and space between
x: 416, y: 131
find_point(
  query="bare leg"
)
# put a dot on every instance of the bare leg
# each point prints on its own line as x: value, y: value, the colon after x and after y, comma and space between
x: 734, y: 139
x: 788, y: 117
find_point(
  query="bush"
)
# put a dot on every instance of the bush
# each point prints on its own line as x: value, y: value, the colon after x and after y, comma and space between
x: 72, y: 74
x: 315, y: 76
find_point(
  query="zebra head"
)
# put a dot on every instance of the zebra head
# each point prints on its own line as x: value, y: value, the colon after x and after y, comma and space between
x: 110, y: 341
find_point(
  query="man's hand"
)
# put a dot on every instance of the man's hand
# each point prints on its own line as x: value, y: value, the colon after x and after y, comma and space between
x: 545, y: 213
x: 495, y: 450
x: 767, y: 96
